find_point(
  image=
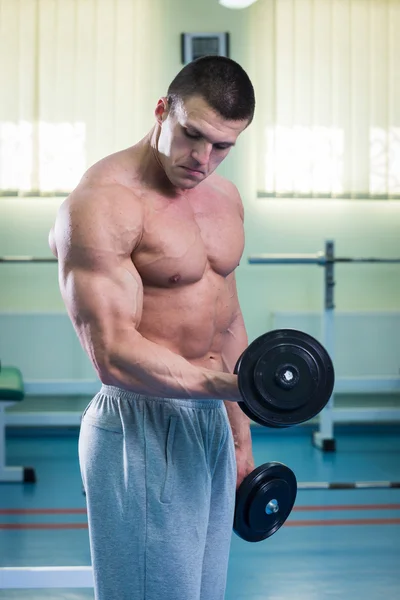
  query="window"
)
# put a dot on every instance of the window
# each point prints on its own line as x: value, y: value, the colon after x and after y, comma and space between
x: 327, y: 79
x: 75, y: 87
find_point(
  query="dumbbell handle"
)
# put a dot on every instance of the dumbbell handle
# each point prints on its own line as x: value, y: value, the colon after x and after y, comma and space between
x: 272, y: 507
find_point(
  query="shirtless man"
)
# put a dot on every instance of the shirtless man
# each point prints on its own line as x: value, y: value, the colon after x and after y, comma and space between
x: 147, y: 246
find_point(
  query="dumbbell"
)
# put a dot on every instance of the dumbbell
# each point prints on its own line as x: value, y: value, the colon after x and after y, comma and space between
x: 264, y: 500
x: 285, y: 377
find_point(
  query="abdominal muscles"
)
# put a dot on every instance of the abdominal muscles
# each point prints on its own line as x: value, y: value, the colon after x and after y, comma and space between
x: 192, y: 319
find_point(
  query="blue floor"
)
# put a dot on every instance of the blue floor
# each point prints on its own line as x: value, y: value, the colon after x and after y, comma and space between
x: 336, y: 544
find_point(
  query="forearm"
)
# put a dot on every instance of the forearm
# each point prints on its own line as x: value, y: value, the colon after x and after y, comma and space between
x: 235, y: 344
x: 147, y: 368
x: 240, y: 425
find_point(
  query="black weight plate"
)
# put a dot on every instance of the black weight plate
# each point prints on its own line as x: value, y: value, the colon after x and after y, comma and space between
x: 274, y: 361
x: 264, y: 501
x: 243, y: 405
x: 245, y: 408
x: 254, y: 417
x: 267, y: 402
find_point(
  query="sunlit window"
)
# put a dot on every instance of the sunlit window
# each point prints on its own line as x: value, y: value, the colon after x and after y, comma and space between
x: 328, y: 98
x: 301, y: 160
x: 49, y: 157
x: 61, y: 155
x: 78, y: 82
x: 385, y: 161
x: 16, y: 156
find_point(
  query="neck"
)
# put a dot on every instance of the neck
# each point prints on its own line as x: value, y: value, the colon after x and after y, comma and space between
x: 151, y: 170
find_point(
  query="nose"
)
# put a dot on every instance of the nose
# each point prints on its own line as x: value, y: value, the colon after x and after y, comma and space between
x: 201, y: 152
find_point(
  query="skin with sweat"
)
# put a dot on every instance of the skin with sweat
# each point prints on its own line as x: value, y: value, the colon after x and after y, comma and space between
x: 147, y: 246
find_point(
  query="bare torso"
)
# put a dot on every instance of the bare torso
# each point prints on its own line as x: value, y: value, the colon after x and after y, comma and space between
x: 189, y: 247
x: 186, y: 260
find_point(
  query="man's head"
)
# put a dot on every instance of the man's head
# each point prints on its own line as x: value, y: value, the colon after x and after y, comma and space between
x: 221, y: 82
x: 209, y: 103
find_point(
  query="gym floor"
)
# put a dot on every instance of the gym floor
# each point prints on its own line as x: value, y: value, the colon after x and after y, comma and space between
x: 335, y: 544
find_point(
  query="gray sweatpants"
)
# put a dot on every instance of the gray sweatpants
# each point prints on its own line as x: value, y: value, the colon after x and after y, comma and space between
x: 160, y: 477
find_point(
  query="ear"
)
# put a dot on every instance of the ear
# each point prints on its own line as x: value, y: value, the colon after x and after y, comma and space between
x: 161, y: 111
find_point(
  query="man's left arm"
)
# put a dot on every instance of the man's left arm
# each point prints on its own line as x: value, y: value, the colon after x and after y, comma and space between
x: 235, y: 343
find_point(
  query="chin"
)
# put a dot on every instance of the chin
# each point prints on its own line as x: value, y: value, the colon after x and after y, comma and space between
x: 187, y: 184
x: 184, y: 183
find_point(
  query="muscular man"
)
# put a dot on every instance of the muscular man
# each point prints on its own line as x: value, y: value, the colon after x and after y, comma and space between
x: 147, y: 245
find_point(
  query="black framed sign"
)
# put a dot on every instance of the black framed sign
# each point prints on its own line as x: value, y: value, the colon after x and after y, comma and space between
x: 195, y: 45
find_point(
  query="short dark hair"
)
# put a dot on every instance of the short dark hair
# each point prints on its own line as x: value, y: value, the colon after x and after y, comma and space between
x: 221, y: 82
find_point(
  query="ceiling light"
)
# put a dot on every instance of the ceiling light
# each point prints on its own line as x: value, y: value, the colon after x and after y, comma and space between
x: 236, y: 3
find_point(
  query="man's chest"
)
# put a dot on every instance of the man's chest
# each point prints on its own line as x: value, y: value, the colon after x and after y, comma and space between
x: 179, y: 243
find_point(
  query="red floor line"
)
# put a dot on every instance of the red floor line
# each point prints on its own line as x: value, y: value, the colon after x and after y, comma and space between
x: 305, y: 523
x: 348, y: 507
x: 328, y: 522
x: 42, y: 511
x: 82, y: 511
x: 43, y: 526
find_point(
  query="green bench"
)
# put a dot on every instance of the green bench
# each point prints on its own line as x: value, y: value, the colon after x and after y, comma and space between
x: 11, y: 391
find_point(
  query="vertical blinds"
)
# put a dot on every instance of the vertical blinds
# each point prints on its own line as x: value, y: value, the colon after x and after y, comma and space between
x: 327, y: 78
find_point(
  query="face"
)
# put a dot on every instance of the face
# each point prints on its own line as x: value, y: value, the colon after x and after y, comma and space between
x: 193, y: 140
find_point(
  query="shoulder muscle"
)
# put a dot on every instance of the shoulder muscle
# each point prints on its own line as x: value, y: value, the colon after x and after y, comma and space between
x: 98, y: 222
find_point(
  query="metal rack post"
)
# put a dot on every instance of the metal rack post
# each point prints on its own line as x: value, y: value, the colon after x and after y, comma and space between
x: 324, y: 437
